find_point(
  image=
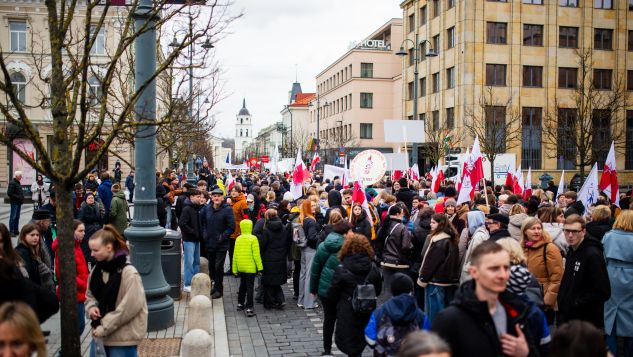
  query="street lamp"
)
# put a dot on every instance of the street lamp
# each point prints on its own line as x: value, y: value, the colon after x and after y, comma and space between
x: 416, y: 58
x: 291, y: 139
x: 318, y: 105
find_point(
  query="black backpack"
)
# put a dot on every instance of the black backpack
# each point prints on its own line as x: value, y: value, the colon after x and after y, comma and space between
x: 389, y: 336
x: 364, y: 297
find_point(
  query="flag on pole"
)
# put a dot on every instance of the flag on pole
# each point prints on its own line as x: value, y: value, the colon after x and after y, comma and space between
x: 467, y: 190
x: 228, y: 158
x: 296, y: 187
x: 527, y: 192
x: 561, y: 186
x: 517, y: 185
x: 589, y: 193
x: 414, y: 172
x: 477, y: 171
x: 439, y: 177
x: 358, y: 196
x: 509, y: 178
x: 230, y: 182
x: 396, y: 175
x: 609, y: 179
x: 315, y: 161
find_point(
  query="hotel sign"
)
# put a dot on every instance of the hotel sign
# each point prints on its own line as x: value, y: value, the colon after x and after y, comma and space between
x: 370, y: 44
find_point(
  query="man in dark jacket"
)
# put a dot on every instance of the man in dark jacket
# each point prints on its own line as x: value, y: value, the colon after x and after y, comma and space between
x: 16, y: 199
x: 497, y: 225
x: 105, y: 192
x: 585, y: 285
x: 484, y: 319
x: 218, y: 223
x: 189, y: 223
x: 129, y: 184
x: 405, y: 194
x: 334, y: 201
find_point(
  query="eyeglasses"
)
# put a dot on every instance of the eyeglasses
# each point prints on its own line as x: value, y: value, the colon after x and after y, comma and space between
x: 572, y: 231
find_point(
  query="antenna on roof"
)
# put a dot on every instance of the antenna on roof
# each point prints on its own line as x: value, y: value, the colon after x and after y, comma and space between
x: 296, y: 76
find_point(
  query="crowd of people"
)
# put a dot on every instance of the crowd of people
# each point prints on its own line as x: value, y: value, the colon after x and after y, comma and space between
x: 401, y: 269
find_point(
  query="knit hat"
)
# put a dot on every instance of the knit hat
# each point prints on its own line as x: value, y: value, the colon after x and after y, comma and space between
x: 401, y: 284
x: 40, y: 214
x: 250, y: 198
x: 450, y: 202
x: 450, y: 191
x: 519, y: 279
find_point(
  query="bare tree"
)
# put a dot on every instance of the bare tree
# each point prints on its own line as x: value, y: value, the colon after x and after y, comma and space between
x: 439, y: 141
x: 496, y: 123
x: 83, y: 110
x: 579, y: 128
x: 337, y: 137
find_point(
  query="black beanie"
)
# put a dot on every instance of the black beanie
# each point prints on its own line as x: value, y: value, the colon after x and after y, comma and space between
x: 450, y: 191
x: 401, y: 284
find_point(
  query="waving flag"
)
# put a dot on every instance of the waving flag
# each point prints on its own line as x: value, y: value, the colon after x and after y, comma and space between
x: 517, y: 186
x: 509, y: 178
x: 527, y: 192
x: 228, y: 158
x: 414, y: 172
x: 298, y: 176
x: 230, y: 182
x: 467, y: 190
x: 609, y: 179
x: 477, y: 171
x: 315, y: 161
x: 561, y: 186
x: 439, y: 177
x: 358, y: 196
x: 588, y: 193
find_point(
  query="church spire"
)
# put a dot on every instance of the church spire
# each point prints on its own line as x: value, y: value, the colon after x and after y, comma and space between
x: 244, y: 103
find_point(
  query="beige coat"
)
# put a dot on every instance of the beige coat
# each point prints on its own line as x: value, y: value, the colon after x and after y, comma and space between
x: 549, y: 276
x: 127, y: 324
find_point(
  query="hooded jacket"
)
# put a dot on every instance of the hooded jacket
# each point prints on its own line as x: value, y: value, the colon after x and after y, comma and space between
x: 334, y: 200
x: 515, y: 225
x: 585, y: 285
x: 467, y: 326
x: 246, y: 257
x: 440, y: 264
x: 239, y: 206
x: 217, y: 226
x: 274, y: 245
x: 324, y: 264
x: 406, y: 195
x: 105, y: 193
x: 81, y: 266
x: 420, y: 233
x: 363, y: 225
x: 118, y: 211
x: 189, y: 222
x: 548, y: 268
x: 597, y: 229
x: 555, y: 231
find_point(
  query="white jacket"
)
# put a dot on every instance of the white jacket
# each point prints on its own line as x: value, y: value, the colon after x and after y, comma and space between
x: 36, y: 190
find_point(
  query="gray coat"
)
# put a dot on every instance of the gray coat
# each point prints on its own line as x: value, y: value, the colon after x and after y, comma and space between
x: 618, y: 252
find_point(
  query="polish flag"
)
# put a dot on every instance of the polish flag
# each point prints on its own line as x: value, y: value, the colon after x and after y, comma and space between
x: 517, y: 186
x: 414, y: 172
x: 609, y: 180
x: 467, y: 190
x: 509, y: 178
x: 298, y: 176
x: 477, y: 171
x: 358, y: 197
x: 439, y: 177
x: 396, y: 175
x: 561, y: 186
x: 528, y: 185
x: 230, y: 182
x: 315, y: 161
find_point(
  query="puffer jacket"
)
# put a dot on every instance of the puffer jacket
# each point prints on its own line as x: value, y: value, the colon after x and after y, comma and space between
x: 548, y: 268
x: 246, y: 257
x: 81, y: 266
x: 515, y: 225
x: 397, y: 245
x: 189, y: 222
x: 324, y: 264
x: 239, y: 206
x: 440, y: 264
x: 127, y: 324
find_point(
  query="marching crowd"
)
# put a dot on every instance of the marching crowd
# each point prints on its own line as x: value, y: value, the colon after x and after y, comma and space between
x: 395, y: 266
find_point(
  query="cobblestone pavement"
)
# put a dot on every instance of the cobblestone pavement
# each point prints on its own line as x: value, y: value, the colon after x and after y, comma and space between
x: 291, y: 332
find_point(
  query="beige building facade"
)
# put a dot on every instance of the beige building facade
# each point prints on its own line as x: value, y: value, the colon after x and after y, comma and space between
x: 356, y: 93
x: 524, y: 51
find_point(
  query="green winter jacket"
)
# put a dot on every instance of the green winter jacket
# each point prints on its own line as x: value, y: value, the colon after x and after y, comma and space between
x: 325, y: 263
x: 246, y: 257
x: 118, y: 211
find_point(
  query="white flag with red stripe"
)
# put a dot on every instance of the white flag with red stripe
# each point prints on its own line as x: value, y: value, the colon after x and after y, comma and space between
x: 527, y: 192
x: 609, y: 180
x: 230, y: 182
x: 298, y: 176
x: 467, y: 190
x: 414, y: 172
x: 358, y: 196
x: 315, y: 161
x: 517, y: 186
x: 477, y: 171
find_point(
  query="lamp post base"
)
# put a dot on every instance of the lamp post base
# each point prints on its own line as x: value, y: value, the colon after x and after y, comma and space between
x: 160, y: 314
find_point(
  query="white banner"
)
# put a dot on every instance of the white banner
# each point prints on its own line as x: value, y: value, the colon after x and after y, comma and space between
x: 398, y: 161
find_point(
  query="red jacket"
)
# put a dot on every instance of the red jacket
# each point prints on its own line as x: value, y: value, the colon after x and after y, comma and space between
x: 82, y: 270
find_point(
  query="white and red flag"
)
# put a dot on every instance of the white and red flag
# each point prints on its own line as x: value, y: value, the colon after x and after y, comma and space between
x: 527, y: 192
x: 467, y: 190
x: 298, y: 176
x: 609, y: 180
x: 517, y: 185
x: 315, y: 161
x: 439, y: 177
x: 358, y: 196
x: 477, y: 171
x: 230, y: 182
x: 414, y: 172
x: 396, y: 175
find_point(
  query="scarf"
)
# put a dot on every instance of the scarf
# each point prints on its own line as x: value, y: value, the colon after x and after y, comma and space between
x: 106, y: 293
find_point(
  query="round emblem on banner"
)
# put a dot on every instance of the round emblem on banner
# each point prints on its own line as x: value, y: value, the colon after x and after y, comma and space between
x: 370, y: 165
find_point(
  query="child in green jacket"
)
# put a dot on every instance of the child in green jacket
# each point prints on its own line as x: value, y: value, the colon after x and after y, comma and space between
x: 246, y: 263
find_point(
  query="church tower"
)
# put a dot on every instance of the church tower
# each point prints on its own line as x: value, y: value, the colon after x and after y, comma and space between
x: 243, y: 132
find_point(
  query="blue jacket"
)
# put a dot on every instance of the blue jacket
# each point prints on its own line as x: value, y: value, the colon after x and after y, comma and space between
x: 217, y: 226
x: 400, y: 309
x: 618, y: 252
x: 105, y: 193
x: 129, y: 182
x: 537, y: 324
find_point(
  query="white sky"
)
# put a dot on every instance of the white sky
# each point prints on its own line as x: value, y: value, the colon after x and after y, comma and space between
x: 259, y: 54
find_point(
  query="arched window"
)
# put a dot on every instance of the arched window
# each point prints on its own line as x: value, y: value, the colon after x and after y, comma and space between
x: 241, y: 120
x: 94, y: 90
x: 240, y: 132
x: 246, y: 132
x: 19, y: 86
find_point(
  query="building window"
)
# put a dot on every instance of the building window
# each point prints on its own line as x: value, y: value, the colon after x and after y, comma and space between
x: 450, y: 38
x: 422, y: 116
x: 533, y: 2
x: 436, y: 120
x: 411, y: 56
x: 246, y: 132
x: 567, y: 77
x: 532, y: 35
x: 366, y: 130
x: 496, y: 32
x: 436, y: 8
x: 367, y: 100
x: 450, y: 118
x: 630, y: 42
x: 568, y: 3
x: 411, y: 23
x: 98, y: 47
x: 531, y: 141
x: 450, y: 4
x: 566, y: 138
x: 241, y: 132
x: 532, y: 76
x: 436, y: 82
x: 602, y: 79
x: 628, y: 149
x: 601, y: 139
x: 423, y: 15
x: 94, y: 91
x: 630, y: 5
x: 568, y: 37
x: 497, y: 0
x: 422, y: 86
x: 18, y: 36
x: 367, y: 70
x: 603, y: 4
x: 629, y: 80
x: 496, y: 75
x: 496, y: 127
x: 603, y: 39
x: 18, y: 82
x: 450, y: 78
x: 436, y: 43
x: 410, y: 89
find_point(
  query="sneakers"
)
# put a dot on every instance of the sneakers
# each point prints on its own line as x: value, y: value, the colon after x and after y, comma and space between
x: 216, y: 295
x: 187, y: 289
x: 240, y: 307
x: 250, y: 313
x: 300, y: 306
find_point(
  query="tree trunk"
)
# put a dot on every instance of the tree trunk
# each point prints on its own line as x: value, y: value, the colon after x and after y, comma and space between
x: 492, y: 171
x: 581, y: 170
x: 71, y: 345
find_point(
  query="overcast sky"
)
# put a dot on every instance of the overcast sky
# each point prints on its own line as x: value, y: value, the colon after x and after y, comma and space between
x: 260, y: 52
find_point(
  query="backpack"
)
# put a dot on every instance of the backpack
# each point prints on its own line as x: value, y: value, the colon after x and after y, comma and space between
x: 389, y: 336
x: 299, y: 235
x: 364, y: 297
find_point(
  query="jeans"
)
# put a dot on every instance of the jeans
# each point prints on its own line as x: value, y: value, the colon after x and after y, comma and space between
x: 169, y: 214
x: 245, y: 293
x: 216, y: 268
x: 116, y: 351
x: 305, y: 298
x: 191, y: 260
x: 436, y: 299
x: 612, y: 343
x: 329, y: 320
x: 81, y: 317
x: 14, y: 218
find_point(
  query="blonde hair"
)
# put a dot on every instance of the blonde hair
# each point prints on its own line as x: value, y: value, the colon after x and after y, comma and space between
x: 270, y: 196
x: 21, y: 318
x: 530, y: 222
x: 516, y: 209
x: 514, y: 249
x: 601, y: 213
x: 624, y: 221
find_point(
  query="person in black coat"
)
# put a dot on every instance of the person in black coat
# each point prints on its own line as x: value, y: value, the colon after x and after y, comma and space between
x: 90, y: 215
x: 405, y: 194
x: 161, y: 208
x: 334, y: 201
x: 361, y: 223
x: 420, y: 233
x: 356, y: 267
x: 191, y: 229
x: 273, y: 246
x: 16, y: 198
